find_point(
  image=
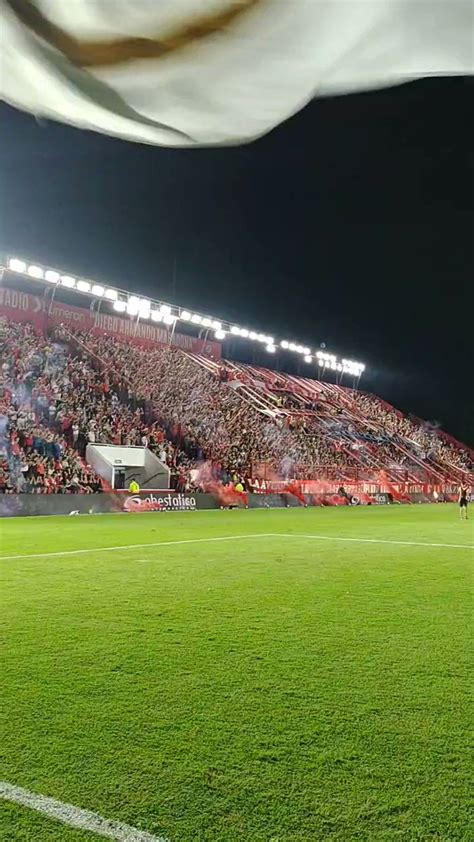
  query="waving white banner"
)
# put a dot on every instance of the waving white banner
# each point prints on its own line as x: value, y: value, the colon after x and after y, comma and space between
x: 189, y: 72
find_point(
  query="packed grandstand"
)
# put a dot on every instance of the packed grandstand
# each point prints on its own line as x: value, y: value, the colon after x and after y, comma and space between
x: 62, y: 388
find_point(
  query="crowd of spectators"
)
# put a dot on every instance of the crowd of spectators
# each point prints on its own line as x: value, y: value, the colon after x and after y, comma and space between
x: 59, y: 394
x: 206, y: 415
x: 363, y: 424
x: 55, y: 399
x: 212, y: 419
x: 34, y: 458
x: 425, y: 442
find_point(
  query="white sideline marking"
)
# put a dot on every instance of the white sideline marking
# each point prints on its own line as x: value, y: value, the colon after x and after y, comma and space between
x: 75, y: 816
x: 235, y: 538
x: 137, y: 546
x: 375, y: 541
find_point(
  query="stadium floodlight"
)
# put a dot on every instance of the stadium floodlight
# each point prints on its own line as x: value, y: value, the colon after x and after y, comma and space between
x: 17, y: 265
x: 133, y: 305
x: 35, y: 272
x: 83, y: 286
x: 144, y: 309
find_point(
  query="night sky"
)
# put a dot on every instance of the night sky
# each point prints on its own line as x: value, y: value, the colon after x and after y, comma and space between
x: 351, y: 224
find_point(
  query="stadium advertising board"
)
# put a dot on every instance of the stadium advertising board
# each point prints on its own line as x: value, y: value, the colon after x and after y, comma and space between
x: 169, y: 501
x: 18, y: 306
x: 27, y: 505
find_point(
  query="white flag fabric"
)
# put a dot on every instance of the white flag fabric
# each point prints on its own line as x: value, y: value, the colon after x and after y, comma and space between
x: 196, y: 72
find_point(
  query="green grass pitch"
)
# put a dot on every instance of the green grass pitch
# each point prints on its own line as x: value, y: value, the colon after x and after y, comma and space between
x: 266, y: 689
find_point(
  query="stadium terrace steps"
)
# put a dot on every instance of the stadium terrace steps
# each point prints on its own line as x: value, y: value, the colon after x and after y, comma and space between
x: 244, y: 415
x: 263, y: 390
x: 264, y: 384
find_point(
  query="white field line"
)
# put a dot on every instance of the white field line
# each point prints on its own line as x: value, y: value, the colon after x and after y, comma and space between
x: 235, y: 538
x: 137, y: 546
x: 75, y: 816
x: 375, y: 541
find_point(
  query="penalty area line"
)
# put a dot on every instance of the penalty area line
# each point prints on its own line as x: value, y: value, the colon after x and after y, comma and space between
x: 373, y: 541
x: 220, y: 538
x: 138, y: 546
x: 75, y: 816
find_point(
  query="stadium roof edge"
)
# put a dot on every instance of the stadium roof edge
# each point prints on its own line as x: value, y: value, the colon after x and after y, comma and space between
x: 156, y: 310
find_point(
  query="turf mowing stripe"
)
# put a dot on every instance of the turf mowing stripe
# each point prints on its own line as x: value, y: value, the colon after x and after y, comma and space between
x: 137, y: 546
x: 374, y: 541
x: 75, y: 816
